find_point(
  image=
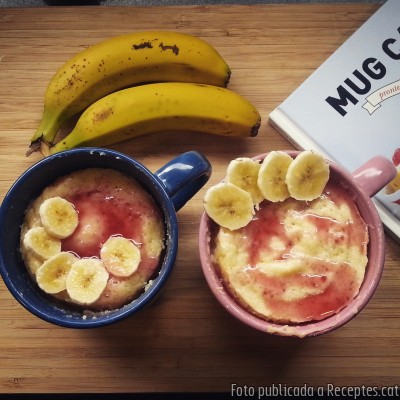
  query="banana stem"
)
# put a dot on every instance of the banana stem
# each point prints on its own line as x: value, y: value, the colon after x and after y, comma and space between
x: 46, y: 133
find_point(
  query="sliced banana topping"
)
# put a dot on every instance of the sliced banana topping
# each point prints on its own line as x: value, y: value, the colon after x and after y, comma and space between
x: 41, y: 243
x: 243, y: 172
x: 32, y: 261
x: 277, y: 178
x: 59, y: 217
x: 52, y: 275
x: 307, y: 176
x: 86, y: 280
x: 282, y: 267
x: 228, y: 205
x: 120, y: 256
x: 272, y: 176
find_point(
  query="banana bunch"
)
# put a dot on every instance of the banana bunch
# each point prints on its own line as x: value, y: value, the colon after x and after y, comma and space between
x: 132, y: 60
x: 232, y: 203
x: 56, y: 271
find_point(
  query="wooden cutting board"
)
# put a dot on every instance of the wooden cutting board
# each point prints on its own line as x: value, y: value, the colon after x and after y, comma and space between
x: 185, y: 342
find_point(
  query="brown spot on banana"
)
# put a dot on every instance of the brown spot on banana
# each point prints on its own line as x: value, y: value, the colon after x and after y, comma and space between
x: 174, y: 48
x: 144, y: 45
x: 103, y: 115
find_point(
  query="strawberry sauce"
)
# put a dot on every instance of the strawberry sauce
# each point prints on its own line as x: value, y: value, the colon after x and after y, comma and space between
x: 109, y: 208
x: 102, y: 216
x: 328, y: 298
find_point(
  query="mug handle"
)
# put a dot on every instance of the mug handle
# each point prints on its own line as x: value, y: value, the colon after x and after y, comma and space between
x: 184, y: 176
x: 374, y: 175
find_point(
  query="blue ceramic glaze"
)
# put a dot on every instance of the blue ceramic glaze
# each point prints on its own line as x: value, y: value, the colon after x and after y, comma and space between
x: 171, y: 187
x: 184, y: 176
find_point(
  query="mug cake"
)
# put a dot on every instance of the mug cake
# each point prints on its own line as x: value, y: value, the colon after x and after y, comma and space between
x: 93, y: 239
x: 287, y: 242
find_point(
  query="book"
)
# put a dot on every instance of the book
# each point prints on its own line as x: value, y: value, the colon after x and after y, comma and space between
x: 349, y: 107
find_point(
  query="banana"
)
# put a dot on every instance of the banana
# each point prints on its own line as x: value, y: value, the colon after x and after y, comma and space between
x: 58, y: 217
x: 243, y: 172
x: 307, y: 176
x: 86, y: 280
x: 162, y: 107
x: 31, y: 261
x: 282, y: 267
x: 122, y: 61
x: 232, y: 202
x: 272, y: 175
x: 52, y: 275
x: 228, y: 205
x: 120, y: 256
x: 40, y: 243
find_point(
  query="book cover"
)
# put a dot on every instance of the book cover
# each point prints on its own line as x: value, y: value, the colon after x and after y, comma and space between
x: 349, y: 107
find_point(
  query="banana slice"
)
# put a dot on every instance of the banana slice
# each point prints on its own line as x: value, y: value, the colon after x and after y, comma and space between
x: 86, y: 280
x: 282, y: 267
x: 52, y: 275
x: 40, y: 243
x: 32, y: 261
x: 228, y: 205
x: 307, y: 176
x: 59, y: 217
x: 243, y: 172
x: 272, y: 175
x: 120, y: 256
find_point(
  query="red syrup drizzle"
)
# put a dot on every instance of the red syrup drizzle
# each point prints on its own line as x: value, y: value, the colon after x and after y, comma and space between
x: 327, y: 300
x: 102, y: 216
x: 329, y: 297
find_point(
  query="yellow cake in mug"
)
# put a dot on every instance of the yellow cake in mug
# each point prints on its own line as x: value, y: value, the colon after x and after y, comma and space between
x: 295, y: 261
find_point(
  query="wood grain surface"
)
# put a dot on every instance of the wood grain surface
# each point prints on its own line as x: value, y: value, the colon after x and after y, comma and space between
x: 184, y: 342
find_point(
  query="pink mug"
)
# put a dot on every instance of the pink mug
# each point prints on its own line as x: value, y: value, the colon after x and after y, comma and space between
x: 363, y: 183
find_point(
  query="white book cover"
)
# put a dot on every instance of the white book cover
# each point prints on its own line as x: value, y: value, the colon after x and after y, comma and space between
x: 349, y: 108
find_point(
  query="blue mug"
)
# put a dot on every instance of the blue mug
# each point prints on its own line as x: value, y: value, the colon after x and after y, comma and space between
x: 171, y: 187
